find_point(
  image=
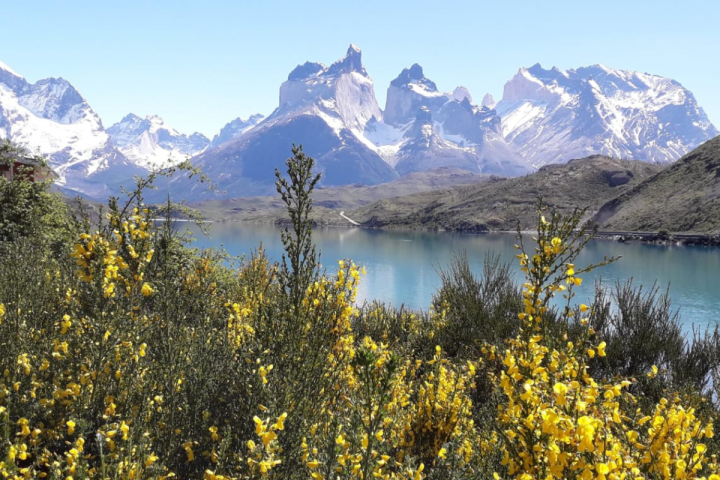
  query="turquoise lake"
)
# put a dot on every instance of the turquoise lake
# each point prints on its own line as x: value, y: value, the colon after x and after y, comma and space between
x: 402, y: 266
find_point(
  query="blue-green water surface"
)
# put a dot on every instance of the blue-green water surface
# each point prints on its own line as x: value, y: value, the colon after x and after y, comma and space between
x: 402, y: 266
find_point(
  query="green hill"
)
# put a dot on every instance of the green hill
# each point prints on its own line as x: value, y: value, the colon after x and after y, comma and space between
x: 498, y: 204
x: 683, y: 198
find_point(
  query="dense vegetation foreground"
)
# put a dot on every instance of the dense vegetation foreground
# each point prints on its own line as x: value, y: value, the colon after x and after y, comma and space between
x: 126, y: 354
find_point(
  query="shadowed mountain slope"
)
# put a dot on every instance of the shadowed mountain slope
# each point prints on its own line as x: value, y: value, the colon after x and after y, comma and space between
x: 684, y: 197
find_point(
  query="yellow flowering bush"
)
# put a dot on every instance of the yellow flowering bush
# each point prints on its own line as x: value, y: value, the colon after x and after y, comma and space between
x: 557, y: 421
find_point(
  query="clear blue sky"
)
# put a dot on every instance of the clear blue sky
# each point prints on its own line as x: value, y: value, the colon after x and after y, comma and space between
x: 200, y: 64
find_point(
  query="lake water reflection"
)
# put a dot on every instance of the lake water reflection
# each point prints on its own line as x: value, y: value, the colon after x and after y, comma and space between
x: 401, y: 266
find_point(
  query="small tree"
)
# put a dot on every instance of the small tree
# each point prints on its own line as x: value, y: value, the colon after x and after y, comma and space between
x: 299, y: 247
x: 28, y: 208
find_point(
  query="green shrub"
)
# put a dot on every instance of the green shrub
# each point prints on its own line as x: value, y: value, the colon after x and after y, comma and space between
x: 29, y: 208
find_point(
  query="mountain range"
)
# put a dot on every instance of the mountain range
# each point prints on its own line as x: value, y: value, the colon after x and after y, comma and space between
x: 50, y: 117
x: 544, y: 117
x: 551, y: 116
x: 620, y: 197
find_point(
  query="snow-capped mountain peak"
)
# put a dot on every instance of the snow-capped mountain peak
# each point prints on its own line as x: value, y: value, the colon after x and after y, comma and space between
x: 526, y: 85
x: 55, y: 99
x: 351, y: 62
x: 342, y: 90
x: 9, y: 70
x: 461, y: 93
x: 51, y: 118
x: 414, y: 76
x: 407, y: 93
x: 488, y: 101
x: 150, y: 143
x: 554, y: 115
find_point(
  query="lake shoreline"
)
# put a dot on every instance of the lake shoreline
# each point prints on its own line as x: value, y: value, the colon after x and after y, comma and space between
x: 656, y: 238
x: 402, y: 265
x: 652, y: 238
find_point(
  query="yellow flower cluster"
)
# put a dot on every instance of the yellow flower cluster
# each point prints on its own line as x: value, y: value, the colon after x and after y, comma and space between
x: 441, y: 409
x: 263, y: 457
x: 117, y: 258
x: 394, y: 413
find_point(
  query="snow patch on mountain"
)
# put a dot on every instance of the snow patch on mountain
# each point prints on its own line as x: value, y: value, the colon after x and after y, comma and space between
x: 519, y: 116
x: 385, y: 139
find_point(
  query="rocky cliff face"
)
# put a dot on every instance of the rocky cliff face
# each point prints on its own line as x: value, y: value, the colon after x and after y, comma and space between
x: 423, y: 128
x: 343, y: 90
x: 407, y: 93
